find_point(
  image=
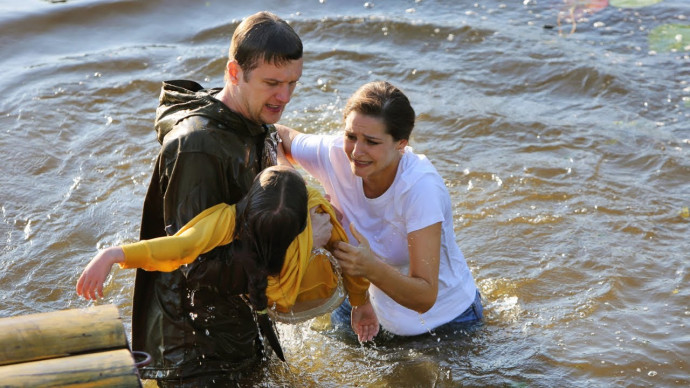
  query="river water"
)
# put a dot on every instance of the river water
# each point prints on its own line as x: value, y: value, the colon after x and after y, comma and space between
x: 561, y: 129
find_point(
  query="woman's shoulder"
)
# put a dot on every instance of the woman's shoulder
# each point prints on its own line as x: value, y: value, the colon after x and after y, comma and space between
x: 417, y: 168
x: 306, y: 144
x: 318, y: 137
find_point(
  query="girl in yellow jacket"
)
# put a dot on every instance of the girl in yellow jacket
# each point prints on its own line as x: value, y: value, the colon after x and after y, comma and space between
x: 273, y: 237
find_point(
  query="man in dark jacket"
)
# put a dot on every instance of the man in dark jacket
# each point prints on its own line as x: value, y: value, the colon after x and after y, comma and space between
x: 214, y: 142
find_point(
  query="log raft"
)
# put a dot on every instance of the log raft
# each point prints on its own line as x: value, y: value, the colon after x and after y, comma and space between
x: 69, y: 348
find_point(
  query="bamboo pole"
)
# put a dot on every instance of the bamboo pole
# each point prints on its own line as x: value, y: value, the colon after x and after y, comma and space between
x: 55, y: 334
x: 114, y: 368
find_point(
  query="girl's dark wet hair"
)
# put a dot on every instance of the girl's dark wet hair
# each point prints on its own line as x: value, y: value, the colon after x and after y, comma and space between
x: 385, y: 101
x: 269, y: 218
x: 264, y: 37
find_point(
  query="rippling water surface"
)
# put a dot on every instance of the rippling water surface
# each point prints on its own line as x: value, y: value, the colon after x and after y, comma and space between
x: 560, y: 127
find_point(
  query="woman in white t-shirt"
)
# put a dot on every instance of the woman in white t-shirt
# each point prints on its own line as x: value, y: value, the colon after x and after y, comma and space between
x: 400, y: 216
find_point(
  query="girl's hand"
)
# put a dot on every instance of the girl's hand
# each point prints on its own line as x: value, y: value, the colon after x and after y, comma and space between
x: 90, y: 283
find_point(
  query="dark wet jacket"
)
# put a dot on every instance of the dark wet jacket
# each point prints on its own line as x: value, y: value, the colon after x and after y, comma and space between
x: 191, y: 320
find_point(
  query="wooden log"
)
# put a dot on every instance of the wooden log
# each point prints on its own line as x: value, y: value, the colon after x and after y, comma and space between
x: 113, y: 368
x: 55, y: 334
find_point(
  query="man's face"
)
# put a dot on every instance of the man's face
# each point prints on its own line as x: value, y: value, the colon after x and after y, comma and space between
x: 264, y: 91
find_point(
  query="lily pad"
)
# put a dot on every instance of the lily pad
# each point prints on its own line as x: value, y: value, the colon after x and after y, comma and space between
x: 633, y: 3
x: 668, y: 37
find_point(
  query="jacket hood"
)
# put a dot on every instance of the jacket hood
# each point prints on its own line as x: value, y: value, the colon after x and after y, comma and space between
x: 180, y: 99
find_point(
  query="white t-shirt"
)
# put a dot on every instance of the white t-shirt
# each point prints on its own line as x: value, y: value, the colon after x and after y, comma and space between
x: 416, y: 199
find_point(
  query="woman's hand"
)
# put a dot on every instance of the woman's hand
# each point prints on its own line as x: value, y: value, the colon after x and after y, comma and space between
x: 364, y: 322
x: 418, y: 289
x: 281, y: 157
x: 287, y: 134
x: 356, y: 260
x: 90, y: 283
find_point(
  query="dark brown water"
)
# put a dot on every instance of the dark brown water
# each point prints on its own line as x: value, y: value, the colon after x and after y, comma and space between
x: 567, y: 157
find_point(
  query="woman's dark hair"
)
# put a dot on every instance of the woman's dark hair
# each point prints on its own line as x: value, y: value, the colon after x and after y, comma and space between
x: 385, y: 101
x: 264, y: 37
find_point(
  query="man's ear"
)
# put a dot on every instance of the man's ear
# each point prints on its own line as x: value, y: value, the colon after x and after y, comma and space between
x: 234, y: 72
x: 402, y: 144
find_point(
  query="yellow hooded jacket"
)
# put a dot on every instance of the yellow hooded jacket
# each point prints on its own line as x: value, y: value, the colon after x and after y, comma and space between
x: 302, y: 278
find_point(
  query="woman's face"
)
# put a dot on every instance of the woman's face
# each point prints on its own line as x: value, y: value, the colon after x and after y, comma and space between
x: 373, y: 153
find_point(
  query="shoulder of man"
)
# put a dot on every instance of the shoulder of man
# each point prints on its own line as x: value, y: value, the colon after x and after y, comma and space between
x: 201, y: 134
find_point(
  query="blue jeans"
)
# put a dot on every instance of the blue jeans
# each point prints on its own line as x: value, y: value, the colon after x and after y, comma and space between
x: 341, y: 315
x: 474, y: 313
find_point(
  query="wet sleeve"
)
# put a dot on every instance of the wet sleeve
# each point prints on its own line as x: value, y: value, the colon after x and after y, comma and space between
x: 311, y: 153
x: 211, y: 228
x: 356, y: 286
x: 283, y: 290
x: 418, y: 210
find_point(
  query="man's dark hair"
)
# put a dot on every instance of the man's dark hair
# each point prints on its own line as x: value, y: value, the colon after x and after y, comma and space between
x: 264, y: 37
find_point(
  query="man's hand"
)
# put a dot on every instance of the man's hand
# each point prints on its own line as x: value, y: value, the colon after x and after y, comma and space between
x: 321, y: 228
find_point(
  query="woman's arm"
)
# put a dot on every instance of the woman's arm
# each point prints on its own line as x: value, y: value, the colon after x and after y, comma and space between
x: 287, y: 134
x: 281, y: 158
x: 417, y: 290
